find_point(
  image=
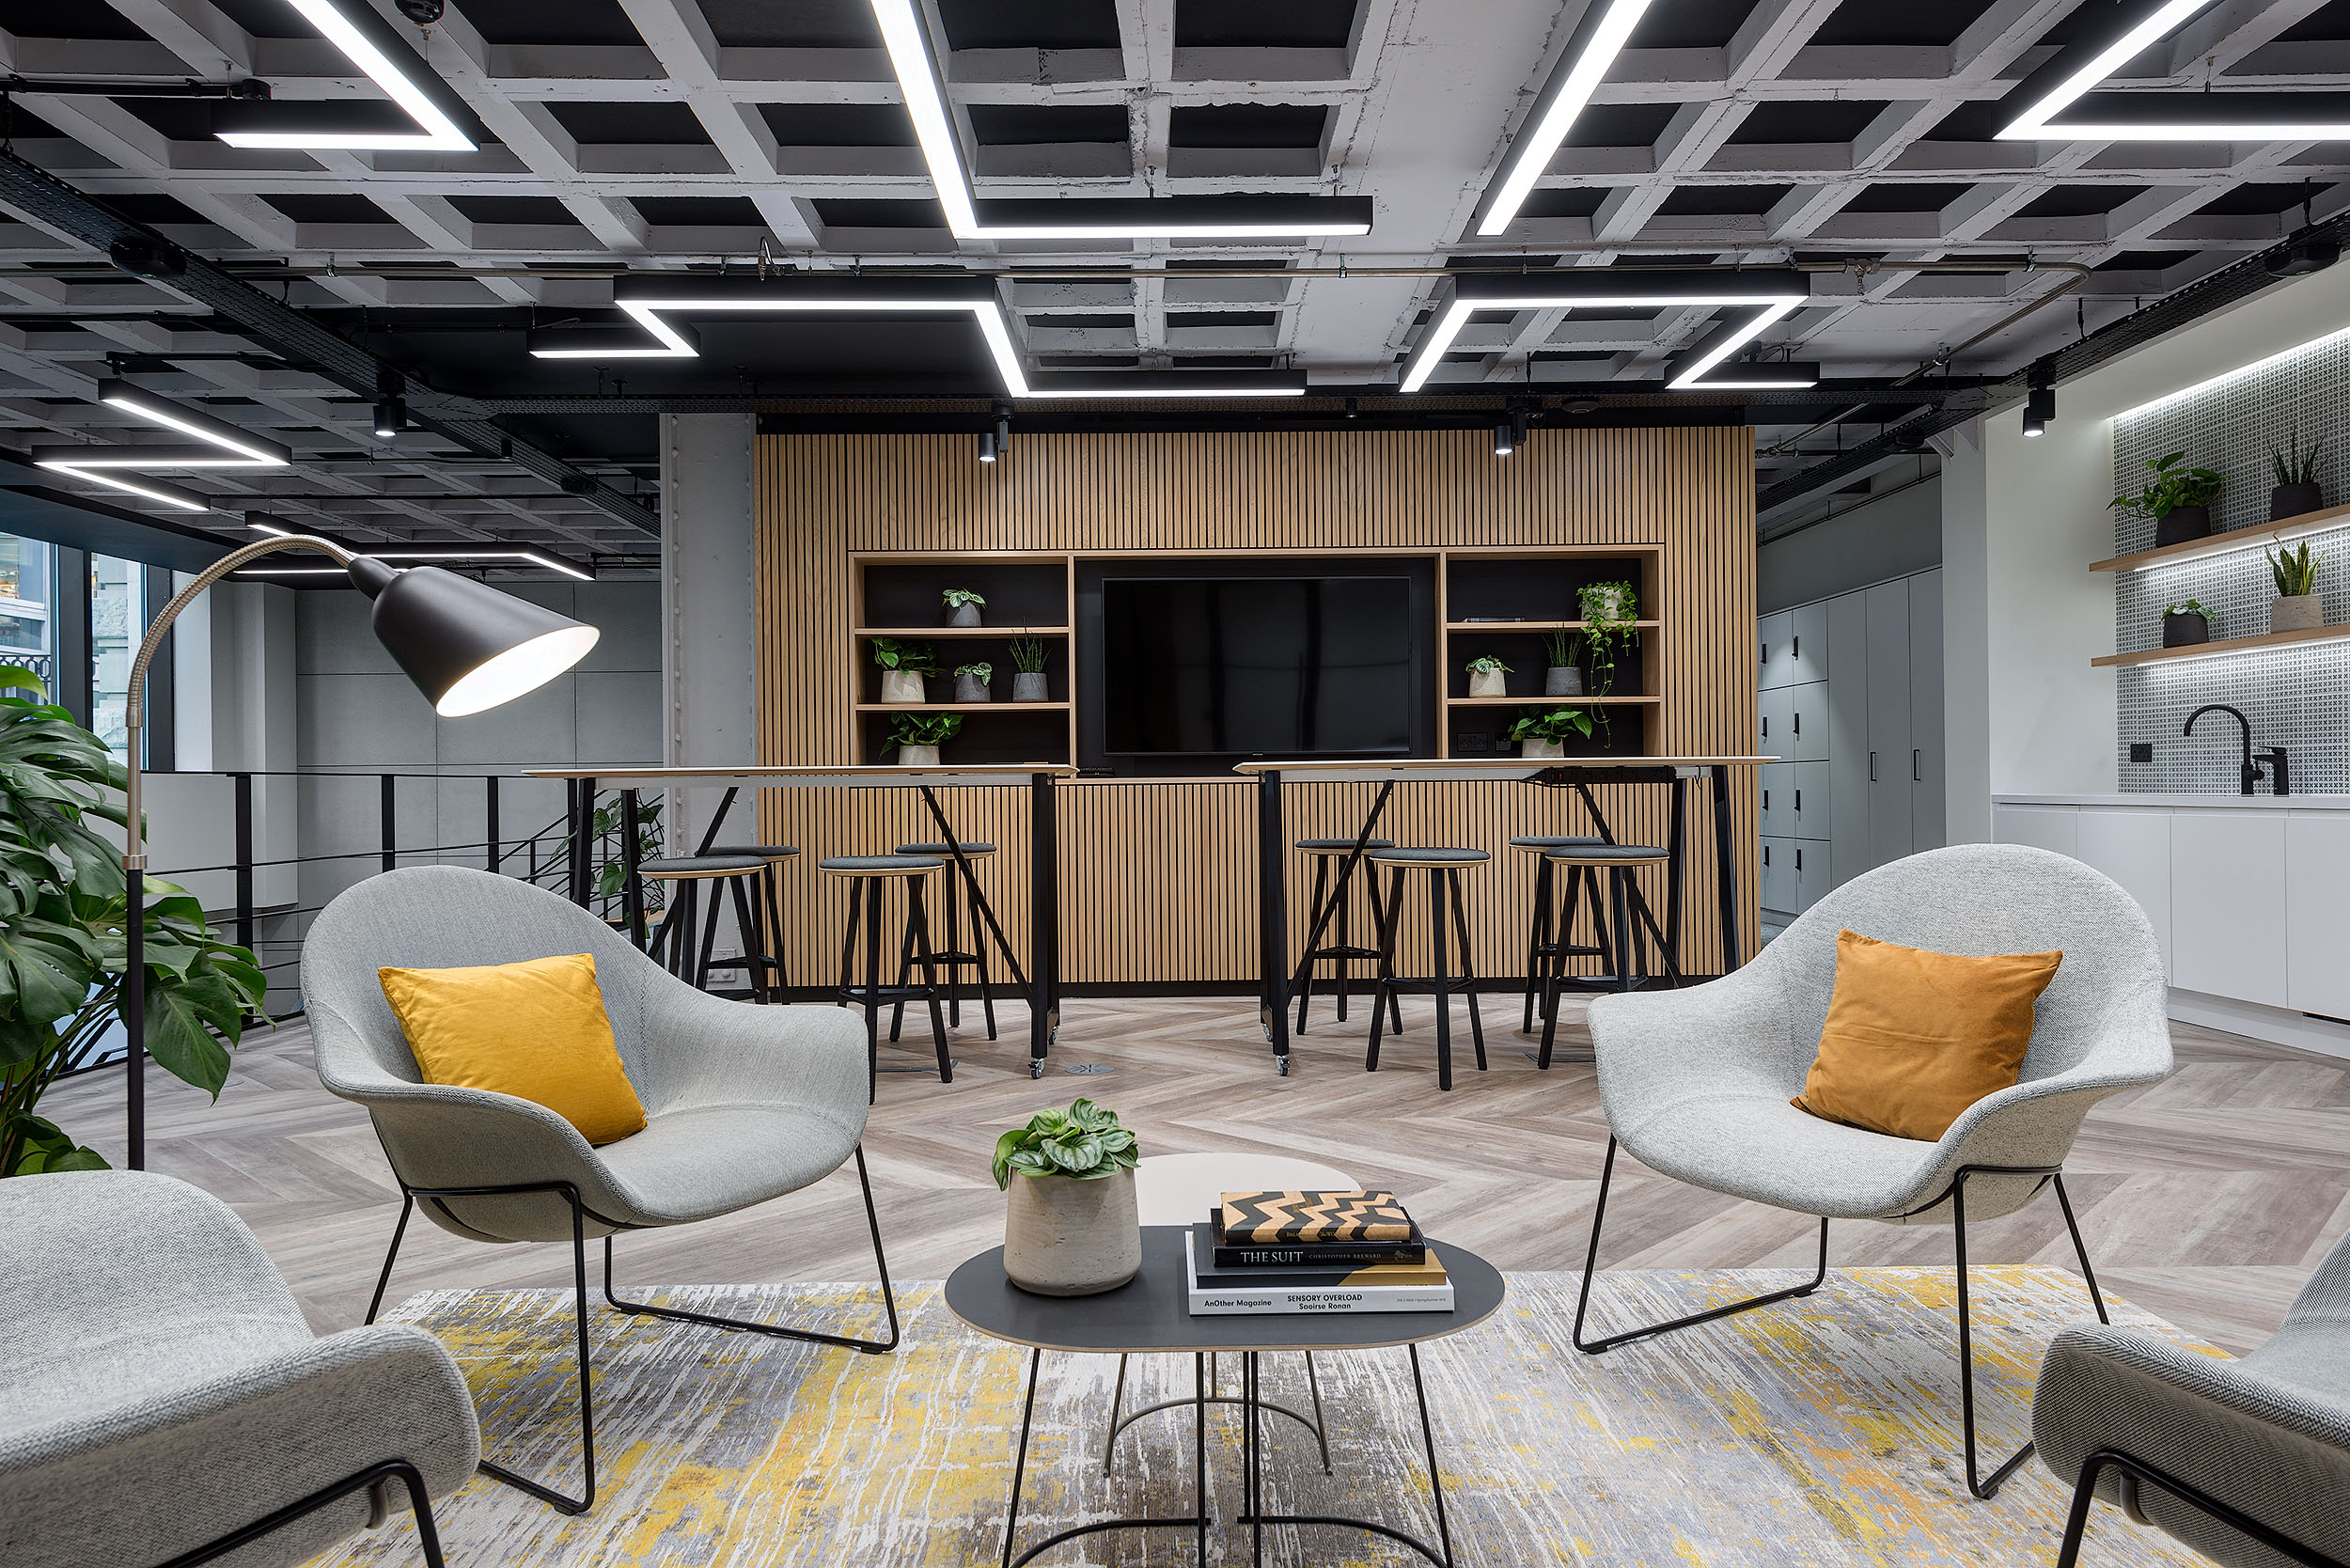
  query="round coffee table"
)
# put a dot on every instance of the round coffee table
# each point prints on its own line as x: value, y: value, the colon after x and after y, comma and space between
x: 1149, y: 1315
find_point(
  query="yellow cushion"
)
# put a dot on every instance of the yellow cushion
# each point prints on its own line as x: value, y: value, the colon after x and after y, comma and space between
x: 536, y: 1030
x: 1912, y: 1038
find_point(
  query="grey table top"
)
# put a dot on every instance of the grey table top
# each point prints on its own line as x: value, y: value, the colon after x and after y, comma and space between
x: 1148, y: 1314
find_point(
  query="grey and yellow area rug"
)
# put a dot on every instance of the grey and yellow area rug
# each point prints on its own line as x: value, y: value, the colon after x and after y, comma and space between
x: 1823, y: 1431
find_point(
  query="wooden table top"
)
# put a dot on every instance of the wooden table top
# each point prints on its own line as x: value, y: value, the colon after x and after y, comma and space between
x: 635, y: 776
x: 1438, y: 769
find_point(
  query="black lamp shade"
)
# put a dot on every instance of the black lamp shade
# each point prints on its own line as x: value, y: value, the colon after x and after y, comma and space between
x: 467, y: 646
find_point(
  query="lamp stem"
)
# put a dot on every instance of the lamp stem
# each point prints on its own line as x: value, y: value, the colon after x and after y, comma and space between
x: 133, y: 849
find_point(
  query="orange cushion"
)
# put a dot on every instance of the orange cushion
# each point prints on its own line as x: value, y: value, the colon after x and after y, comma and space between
x: 1912, y: 1038
x: 536, y: 1030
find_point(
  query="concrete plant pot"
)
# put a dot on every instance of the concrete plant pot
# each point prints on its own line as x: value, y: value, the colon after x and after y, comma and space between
x: 964, y: 615
x: 1029, y: 686
x: 1489, y: 682
x: 902, y: 686
x: 1562, y: 681
x: 1532, y: 747
x: 918, y: 756
x: 2292, y: 500
x: 2301, y: 612
x: 1064, y: 1236
x: 970, y: 688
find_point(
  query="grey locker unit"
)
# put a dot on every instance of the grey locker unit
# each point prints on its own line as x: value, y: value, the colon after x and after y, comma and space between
x: 1889, y: 784
x: 1929, y: 812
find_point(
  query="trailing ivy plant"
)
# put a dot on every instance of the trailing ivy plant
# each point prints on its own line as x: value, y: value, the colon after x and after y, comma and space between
x: 918, y: 658
x: 2170, y: 487
x: 924, y: 729
x: 63, y: 910
x: 1084, y: 1141
x: 1556, y: 724
x: 1611, y: 618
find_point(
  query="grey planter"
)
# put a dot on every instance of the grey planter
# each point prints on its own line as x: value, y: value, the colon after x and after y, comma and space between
x: 1031, y: 686
x: 970, y: 688
x: 1063, y: 1236
x: 964, y: 615
x: 918, y: 756
x: 2300, y: 612
x: 1562, y: 681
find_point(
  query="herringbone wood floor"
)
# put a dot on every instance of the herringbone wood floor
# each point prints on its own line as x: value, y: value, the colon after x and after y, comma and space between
x: 2206, y: 1198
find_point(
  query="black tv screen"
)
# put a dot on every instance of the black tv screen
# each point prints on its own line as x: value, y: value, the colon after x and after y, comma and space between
x: 1257, y: 667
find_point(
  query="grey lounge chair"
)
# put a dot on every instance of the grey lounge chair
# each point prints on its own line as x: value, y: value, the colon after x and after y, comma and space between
x: 742, y: 1103
x: 165, y: 1401
x: 2246, y: 1461
x: 1695, y: 1083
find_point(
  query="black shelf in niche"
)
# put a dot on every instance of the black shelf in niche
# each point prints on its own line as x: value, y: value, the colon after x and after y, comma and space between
x: 1478, y: 731
x: 952, y: 652
x: 1013, y: 733
x: 1018, y: 593
x: 1527, y: 655
x: 1536, y: 587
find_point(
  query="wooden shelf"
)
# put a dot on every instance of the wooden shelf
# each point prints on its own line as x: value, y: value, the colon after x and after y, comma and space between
x: 1006, y: 707
x: 2227, y: 644
x: 910, y: 632
x: 2282, y: 531
x: 1551, y: 701
x: 1535, y: 625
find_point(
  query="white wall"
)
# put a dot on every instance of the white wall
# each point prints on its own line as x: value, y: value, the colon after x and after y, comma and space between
x: 710, y: 643
x: 1894, y: 533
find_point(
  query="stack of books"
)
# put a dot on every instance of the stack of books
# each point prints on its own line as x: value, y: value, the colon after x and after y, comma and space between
x: 1269, y: 1252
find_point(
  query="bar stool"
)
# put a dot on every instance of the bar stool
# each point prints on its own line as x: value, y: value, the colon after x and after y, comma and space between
x: 692, y: 962
x: 870, y: 876
x: 1540, y: 944
x: 1443, y: 868
x: 950, y: 958
x: 771, y: 911
x: 1329, y: 905
x: 1616, y: 929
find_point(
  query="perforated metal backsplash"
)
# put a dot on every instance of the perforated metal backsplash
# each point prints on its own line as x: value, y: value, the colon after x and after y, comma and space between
x: 2297, y: 698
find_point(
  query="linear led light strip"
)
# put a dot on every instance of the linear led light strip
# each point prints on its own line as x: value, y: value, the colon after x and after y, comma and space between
x: 224, y: 447
x: 1767, y: 309
x: 1610, y: 25
x: 429, y: 553
x: 2038, y: 122
x: 436, y: 132
x: 902, y: 36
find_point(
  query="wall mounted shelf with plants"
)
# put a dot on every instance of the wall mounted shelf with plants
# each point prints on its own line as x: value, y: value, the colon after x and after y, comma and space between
x: 2226, y: 645
x: 2260, y: 537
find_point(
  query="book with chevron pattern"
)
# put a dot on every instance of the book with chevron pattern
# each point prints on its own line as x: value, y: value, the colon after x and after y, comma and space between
x: 1295, y: 1219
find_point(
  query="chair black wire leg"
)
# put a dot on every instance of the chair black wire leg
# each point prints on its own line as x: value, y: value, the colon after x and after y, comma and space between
x: 407, y: 1206
x: 881, y: 1263
x: 547, y: 1495
x: 428, y: 1534
x: 2080, y: 1250
x: 1981, y: 1488
x: 2076, y: 1522
x: 1590, y: 1267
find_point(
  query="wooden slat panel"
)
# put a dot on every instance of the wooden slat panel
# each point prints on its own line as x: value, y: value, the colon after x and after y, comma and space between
x: 1158, y: 880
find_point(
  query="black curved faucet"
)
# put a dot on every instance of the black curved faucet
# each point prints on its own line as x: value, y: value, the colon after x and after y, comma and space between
x: 2249, y: 772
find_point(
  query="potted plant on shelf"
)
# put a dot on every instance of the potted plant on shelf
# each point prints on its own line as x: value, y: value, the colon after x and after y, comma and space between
x: 2184, y: 625
x: 1611, y: 616
x: 918, y: 736
x: 1488, y: 676
x: 2177, y: 498
x: 2296, y: 607
x: 962, y: 606
x: 903, y: 665
x: 1545, y: 734
x: 2296, y: 490
x: 1027, y: 663
x: 1071, y: 1227
x: 1562, y: 677
x: 971, y: 681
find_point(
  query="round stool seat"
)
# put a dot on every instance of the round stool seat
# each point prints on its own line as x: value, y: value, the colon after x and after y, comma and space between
x: 1552, y: 841
x: 971, y: 850
x: 765, y: 852
x: 1429, y: 856
x: 1607, y: 855
x: 1341, y: 846
x: 879, y: 865
x: 685, y: 867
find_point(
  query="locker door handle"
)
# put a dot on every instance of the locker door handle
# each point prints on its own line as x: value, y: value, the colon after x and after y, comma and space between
x: 1766, y: 726
x: 1796, y: 646
x: 1799, y: 724
x: 1798, y: 800
x: 1799, y: 857
x: 1766, y: 854
x: 1873, y: 767
x: 1917, y: 767
x: 1766, y: 800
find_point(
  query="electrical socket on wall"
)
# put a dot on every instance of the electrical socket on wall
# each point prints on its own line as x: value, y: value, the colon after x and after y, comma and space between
x: 2141, y: 751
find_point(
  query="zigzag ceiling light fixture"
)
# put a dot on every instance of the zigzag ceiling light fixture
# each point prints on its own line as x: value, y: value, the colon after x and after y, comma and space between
x: 218, y: 445
x: 968, y: 217
x: 650, y: 300
x: 1599, y: 38
x: 1765, y: 296
x: 484, y: 554
x: 2060, y: 102
x: 424, y: 114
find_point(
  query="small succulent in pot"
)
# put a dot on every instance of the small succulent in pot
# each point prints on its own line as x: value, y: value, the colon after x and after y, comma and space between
x: 971, y: 681
x: 1027, y: 663
x: 2178, y: 498
x: 918, y: 736
x: 1488, y: 676
x: 1071, y: 1227
x: 2297, y: 606
x: 902, y: 666
x: 2296, y: 490
x: 1545, y: 734
x: 2184, y: 625
x: 1562, y: 676
x: 962, y: 606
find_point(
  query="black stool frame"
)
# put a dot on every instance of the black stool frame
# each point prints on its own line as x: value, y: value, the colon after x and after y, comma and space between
x: 581, y: 1214
x: 1620, y: 932
x: 1440, y: 985
x: 674, y: 943
x: 1956, y: 1193
x: 1549, y: 933
x: 951, y: 957
x: 1330, y: 902
x: 914, y: 952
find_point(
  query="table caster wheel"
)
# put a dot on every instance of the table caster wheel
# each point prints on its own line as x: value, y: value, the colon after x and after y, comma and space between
x: 1036, y: 1069
x: 1281, y: 1065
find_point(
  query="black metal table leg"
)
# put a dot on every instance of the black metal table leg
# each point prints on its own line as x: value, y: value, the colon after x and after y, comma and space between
x: 632, y: 891
x: 1043, y: 921
x: 1197, y: 1521
x: 1725, y: 866
x: 1676, y: 863
x: 1272, y: 920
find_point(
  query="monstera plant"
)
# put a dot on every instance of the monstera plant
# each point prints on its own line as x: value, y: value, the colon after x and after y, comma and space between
x: 62, y: 910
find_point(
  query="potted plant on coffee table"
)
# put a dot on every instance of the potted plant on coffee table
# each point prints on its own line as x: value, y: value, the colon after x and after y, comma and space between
x: 2296, y: 469
x: 962, y: 606
x: 2177, y: 497
x: 2184, y: 625
x: 1562, y: 676
x: 902, y: 666
x: 1027, y: 663
x: 2296, y: 606
x: 971, y: 681
x: 918, y: 736
x: 1545, y: 734
x: 1071, y: 1227
x: 1488, y: 676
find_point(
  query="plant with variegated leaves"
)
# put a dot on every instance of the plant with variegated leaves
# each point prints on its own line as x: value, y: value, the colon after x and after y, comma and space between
x: 1084, y: 1141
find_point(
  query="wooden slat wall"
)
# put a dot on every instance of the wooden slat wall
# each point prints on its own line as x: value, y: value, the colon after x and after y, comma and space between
x: 1159, y: 879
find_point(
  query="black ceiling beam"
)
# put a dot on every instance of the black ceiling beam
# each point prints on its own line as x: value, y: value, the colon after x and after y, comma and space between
x: 57, y: 206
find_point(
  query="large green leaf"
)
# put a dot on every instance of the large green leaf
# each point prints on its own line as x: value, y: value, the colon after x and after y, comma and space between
x: 181, y: 1018
x: 45, y: 970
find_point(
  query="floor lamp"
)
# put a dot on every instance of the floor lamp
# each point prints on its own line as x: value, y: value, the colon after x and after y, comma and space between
x: 465, y: 645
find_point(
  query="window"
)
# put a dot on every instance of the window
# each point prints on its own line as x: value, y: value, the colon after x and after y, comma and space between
x: 117, y: 620
x: 26, y: 566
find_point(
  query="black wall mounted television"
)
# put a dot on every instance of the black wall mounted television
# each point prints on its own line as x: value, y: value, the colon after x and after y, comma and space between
x: 1198, y: 668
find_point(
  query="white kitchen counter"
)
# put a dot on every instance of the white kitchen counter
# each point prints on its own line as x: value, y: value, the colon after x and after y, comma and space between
x: 2262, y: 802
